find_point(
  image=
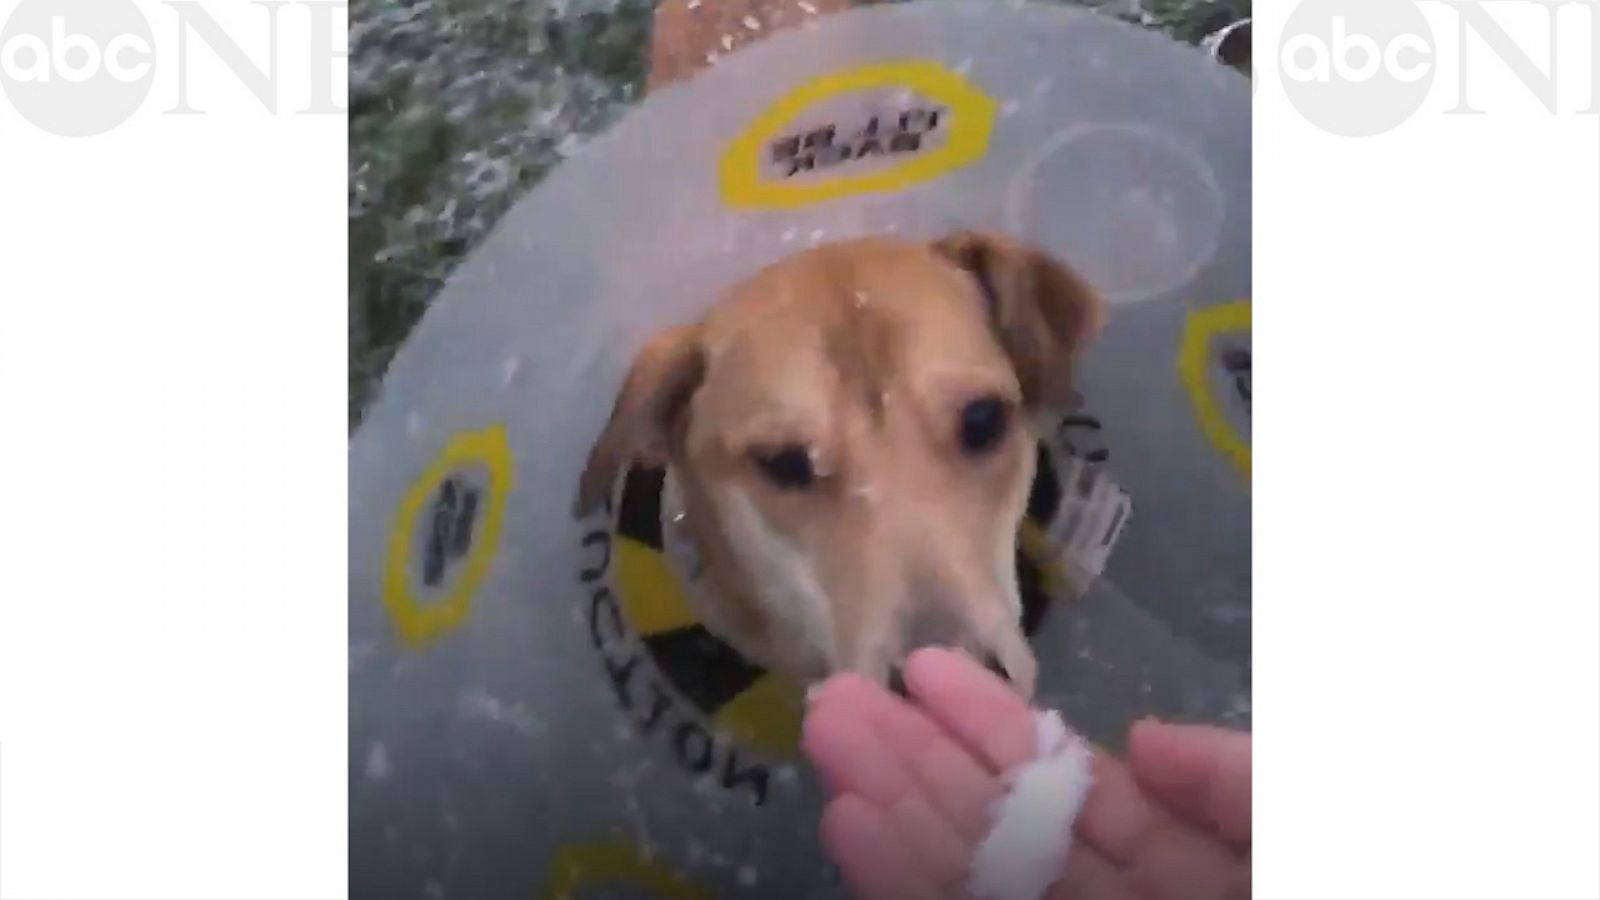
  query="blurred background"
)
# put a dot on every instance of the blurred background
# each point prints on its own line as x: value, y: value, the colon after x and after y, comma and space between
x: 459, y: 106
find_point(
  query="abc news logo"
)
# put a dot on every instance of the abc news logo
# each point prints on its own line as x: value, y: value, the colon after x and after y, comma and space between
x: 77, y: 69
x: 74, y: 56
x: 1355, y: 57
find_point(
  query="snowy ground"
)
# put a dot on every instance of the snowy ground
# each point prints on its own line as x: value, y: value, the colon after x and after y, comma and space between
x: 459, y: 106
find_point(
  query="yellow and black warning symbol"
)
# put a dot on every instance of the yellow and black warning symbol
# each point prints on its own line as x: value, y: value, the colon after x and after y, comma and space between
x: 445, y: 535
x: 1214, y: 366
x: 720, y: 716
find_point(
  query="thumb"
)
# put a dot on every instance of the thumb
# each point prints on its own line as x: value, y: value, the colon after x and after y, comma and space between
x: 1199, y: 772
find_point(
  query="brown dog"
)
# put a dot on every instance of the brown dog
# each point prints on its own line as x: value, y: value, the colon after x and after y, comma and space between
x: 851, y: 433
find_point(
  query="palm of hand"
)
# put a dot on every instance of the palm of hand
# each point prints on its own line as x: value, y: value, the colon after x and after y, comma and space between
x: 911, y: 786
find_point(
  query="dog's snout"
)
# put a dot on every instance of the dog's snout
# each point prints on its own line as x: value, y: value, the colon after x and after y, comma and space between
x: 932, y: 625
x: 936, y: 626
x: 993, y: 664
x: 897, y: 677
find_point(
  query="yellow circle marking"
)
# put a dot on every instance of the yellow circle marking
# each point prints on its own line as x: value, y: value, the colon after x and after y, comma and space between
x: 1199, y: 329
x: 420, y: 622
x: 578, y: 865
x: 972, y: 118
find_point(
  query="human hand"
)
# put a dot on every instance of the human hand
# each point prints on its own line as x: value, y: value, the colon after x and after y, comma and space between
x: 911, y: 786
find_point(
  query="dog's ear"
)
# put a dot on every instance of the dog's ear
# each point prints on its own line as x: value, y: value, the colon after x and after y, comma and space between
x: 1042, y: 311
x: 647, y: 412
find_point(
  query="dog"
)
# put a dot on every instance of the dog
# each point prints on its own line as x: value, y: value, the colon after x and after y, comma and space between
x: 852, y: 434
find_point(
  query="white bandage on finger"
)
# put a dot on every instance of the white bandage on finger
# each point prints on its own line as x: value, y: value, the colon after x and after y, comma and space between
x: 1026, y: 847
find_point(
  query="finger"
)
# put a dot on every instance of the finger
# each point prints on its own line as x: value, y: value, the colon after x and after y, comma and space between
x: 1158, y: 855
x: 938, y: 794
x: 958, y: 785
x: 1090, y: 876
x: 1200, y: 773
x: 1179, y: 862
x: 963, y: 790
x: 849, y: 711
x: 901, y: 723
x: 1116, y: 818
x: 874, y: 862
x: 852, y: 758
x: 941, y: 853
x: 972, y: 704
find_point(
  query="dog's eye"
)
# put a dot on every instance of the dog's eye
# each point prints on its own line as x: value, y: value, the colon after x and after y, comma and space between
x: 983, y: 424
x: 787, y: 467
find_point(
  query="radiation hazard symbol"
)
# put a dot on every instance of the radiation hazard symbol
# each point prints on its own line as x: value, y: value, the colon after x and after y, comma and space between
x: 755, y: 707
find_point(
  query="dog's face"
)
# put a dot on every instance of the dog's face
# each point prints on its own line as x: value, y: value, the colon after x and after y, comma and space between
x: 850, y: 430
